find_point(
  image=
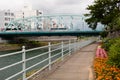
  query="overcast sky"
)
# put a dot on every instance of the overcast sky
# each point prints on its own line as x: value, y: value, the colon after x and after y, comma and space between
x: 49, y: 6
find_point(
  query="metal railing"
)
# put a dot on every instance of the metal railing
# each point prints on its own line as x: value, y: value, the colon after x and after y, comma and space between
x: 53, y: 53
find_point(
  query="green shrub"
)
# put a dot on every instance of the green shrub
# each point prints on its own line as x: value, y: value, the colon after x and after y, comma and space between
x: 107, y: 43
x: 114, y: 53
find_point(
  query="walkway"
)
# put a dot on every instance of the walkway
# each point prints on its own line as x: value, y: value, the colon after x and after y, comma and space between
x: 77, y: 67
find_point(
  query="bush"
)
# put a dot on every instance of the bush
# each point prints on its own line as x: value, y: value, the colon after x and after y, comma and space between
x: 114, y: 53
x: 107, y: 43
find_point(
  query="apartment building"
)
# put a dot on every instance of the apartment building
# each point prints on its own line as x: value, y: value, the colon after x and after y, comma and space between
x: 27, y: 11
x: 5, y: 17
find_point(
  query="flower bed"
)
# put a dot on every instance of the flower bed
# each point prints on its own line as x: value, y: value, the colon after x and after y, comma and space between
x: 105, y: 71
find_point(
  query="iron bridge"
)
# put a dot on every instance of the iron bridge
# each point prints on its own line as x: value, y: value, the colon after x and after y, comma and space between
x: 49, y: 25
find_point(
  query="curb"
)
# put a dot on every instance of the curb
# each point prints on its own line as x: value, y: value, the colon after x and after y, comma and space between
x: 91, y: 73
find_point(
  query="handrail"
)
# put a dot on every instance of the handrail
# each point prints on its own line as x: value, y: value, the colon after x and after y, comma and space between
x: 64, y: 48
x: 36, y: 56
x: 10, y: 54
x: 36, y: 48
x: 36, y: 64
x: 11, y: 65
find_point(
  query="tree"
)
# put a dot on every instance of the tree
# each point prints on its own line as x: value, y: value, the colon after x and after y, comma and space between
x: 115, y: 23
x: 102, y: 11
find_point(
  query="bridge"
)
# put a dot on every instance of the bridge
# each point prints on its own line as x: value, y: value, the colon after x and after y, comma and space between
x: 49, y: 25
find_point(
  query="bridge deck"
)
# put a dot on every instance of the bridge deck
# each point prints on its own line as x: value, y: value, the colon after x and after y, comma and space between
x: 48, y: 33
x: 76, y: 68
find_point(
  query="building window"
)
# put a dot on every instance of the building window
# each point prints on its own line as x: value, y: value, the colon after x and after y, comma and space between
x: 12, y: 14
x: 7, y: 19
x: 40, y: 12
x: 8, y: 14
x: 12, y: 18
x: 5, y: 13
x: 6, y: 24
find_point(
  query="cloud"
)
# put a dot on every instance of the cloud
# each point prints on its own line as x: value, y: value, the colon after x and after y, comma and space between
x: 71, y: 9
x: 67, y: 2
x: 49, y: 6
x: 11, y: 4
x: 46, y: 5
x: 62, y: 6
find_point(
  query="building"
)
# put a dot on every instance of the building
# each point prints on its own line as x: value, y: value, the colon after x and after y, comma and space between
x: 27, y: 11
x: 5, y: 17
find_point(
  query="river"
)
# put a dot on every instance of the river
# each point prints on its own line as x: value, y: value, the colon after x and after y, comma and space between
x: 18, y: 57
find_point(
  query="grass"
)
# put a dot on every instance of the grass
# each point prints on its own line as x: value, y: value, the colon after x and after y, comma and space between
x: 6, y: 46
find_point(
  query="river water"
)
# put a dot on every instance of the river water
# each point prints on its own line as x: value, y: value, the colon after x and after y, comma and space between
x: 18, y: 57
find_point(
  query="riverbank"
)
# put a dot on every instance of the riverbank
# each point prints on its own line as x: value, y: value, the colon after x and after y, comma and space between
x: 18, y: 46
x: 7, y: 47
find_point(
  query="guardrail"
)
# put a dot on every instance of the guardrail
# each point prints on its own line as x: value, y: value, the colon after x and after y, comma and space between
x: 52, y: 54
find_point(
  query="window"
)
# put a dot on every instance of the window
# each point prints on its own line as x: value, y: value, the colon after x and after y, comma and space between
x: 6, y: 24
x: 40, y: 12
x: 12, y: 18
x: 7, y: 19
x: 12, y: 14
x: 8, y: 14
x: 5, y: 13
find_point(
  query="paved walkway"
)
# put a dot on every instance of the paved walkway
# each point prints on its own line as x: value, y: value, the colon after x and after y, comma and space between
x: 77, y: 67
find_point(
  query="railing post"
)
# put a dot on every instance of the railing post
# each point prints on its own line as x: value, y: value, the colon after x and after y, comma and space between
x: 74, y: 45
x: 69, y: 47
x: 62, y: 49
x: 77, y: 44
x: 24, y: 63
x: 49, y: 46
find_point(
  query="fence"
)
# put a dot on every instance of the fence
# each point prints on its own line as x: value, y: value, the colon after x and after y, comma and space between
x: 52, y: 53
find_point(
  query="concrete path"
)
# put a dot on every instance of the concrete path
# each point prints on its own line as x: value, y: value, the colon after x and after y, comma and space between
x: 77, y: 67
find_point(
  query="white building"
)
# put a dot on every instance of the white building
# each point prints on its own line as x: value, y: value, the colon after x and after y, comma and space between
x: 27, y: 11
x: 5, y: 17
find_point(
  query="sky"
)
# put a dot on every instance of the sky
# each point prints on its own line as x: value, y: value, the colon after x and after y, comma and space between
x: 49, y: 6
